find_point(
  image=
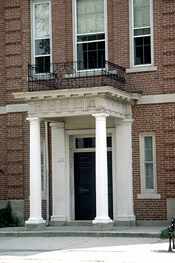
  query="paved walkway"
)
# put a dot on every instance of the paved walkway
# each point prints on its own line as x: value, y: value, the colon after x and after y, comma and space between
x: 84, y: 250
x: 83, y: 231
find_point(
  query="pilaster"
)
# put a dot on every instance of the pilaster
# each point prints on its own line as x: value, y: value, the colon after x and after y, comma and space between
x: 58, y: 174
x: 124, y: 182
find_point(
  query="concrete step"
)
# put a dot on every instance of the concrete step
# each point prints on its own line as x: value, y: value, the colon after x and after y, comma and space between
x: 82, y: 231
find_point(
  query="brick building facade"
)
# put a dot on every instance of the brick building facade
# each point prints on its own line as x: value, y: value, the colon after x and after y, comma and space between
x: 134, y: 102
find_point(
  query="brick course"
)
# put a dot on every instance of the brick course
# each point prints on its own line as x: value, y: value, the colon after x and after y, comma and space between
x: 15, y: 38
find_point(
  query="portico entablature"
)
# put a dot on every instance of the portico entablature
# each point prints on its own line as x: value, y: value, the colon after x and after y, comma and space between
x: 78, y: 102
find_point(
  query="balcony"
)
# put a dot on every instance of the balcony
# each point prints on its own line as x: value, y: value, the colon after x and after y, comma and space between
x: 73, y: 75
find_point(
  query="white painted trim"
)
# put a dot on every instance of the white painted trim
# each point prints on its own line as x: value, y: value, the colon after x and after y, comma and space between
x: 32, y: 17
x: 70, y: 136
x: 157, y: 99
x: 144, y: 190
x: 74, y: 12
x: 131, y: 19
x: 13, y: 108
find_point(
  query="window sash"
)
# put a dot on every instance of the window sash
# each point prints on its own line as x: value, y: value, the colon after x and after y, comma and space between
x: 42, y: 37
x: 95, y: 33
x: 148, y: 163
x: 43, y: 168
x: 145, y: 31
x: 90, y: 16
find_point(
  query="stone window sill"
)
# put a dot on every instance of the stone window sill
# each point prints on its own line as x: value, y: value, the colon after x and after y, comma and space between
x: 149, y: 196
x: 141, y: 69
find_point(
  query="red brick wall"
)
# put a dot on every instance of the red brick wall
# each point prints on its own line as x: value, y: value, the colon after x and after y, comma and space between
x: 15, y: 38
x: 17, y: 43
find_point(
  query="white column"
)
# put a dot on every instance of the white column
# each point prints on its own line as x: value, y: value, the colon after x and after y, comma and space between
x: 35, y: 173
x: 124, y: 181
x: 101, y: 171
x: 58, y: 174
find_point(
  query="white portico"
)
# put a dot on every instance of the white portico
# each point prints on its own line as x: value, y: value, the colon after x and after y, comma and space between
x: 87, y: 113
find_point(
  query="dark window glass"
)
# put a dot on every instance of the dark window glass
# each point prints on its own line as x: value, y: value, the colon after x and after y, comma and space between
x: 109, y: 141
x: 42, y: 64
x: 81, y: 143
x: 85, y: 143
x: 91, y: 55
x: 142, y: 47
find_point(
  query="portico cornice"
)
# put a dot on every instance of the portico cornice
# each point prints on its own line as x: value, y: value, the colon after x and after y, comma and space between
x: 77, y: 102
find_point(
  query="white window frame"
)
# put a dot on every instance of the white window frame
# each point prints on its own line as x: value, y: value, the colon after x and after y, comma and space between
x: 33, y: 3
x: 75, y: 33
x: 141, y: 67
x: 147, y: 193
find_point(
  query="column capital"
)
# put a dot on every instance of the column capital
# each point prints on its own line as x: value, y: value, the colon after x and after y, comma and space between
x: 100, y: 115
x: 126, y: 122
x: 33, y: 119
x: 57, y: 125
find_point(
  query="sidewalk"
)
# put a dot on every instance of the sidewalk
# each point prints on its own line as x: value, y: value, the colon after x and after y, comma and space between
x: 83, y: 231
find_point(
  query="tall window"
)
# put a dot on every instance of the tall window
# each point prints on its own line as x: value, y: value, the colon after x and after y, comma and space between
x: 42, y: 36
x: 43, y: 172
x: 148, y: 163
x: 90, y: 34
x: 142, y: 32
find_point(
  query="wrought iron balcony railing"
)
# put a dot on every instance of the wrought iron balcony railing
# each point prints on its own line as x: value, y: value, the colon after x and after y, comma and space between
x: 67, y: 76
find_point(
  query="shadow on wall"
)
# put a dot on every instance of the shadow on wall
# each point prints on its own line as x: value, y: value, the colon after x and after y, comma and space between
x: 11, y: 213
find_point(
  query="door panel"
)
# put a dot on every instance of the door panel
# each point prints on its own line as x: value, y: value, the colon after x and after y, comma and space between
x: 85, y: 198
x: 85, y: 203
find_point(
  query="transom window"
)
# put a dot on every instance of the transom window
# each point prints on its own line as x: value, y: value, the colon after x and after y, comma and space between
x: 90, y: 34
x: 89, y: 142
x: 42, y: 36
x: 142, y: 32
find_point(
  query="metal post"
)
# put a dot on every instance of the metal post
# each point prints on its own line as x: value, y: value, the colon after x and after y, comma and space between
x: 170, y: 249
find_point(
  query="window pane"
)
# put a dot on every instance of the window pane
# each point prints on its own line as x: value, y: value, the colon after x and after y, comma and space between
x: 147, y: 52
x: 85, y: 143
x: 148, y: 149
x: 142, y: 50
x: 42, y: 64
x: 92, y: 55
x: 89, y: 142
x: 141, y: 13
x: 139, y: 32
x: 90, y: 16
x: 138, y: 48
x: 149, y: 176
x: 42, y: 47
x: 42, y: 20
x: 109, y: 141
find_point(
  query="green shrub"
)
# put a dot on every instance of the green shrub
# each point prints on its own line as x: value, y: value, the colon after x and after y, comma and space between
x: 6, y: 218
x: 164, y: 234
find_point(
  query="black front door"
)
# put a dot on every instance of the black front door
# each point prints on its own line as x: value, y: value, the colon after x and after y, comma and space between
x: 85, y: 198
x: 85, y: 203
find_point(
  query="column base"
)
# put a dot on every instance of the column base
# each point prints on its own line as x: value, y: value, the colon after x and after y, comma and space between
x: 35, y: 224
x: 125, y: 221
x: 58, y: 221
x: 102, y: 224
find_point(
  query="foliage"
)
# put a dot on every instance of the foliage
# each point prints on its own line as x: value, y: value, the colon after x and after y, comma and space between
x: 6, y: 218
x: 164, y: 234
